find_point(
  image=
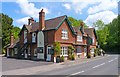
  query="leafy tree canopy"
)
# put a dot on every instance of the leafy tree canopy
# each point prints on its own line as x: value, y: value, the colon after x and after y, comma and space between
x: 76, y: 22
x: 7, y: 28
x: 108, y: 34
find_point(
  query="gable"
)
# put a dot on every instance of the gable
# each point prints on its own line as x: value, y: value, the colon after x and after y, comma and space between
x: 23, y: 28
x: 68, y: 23
x: 90, y: 32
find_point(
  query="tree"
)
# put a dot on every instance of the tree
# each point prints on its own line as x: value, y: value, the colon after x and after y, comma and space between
x: 102, y: 33
x: 99, y: 24
x: 76, y: 22
x: 0, y: 25
x: 109, y: 34
x: 15, y: 31
x: 7, y: 28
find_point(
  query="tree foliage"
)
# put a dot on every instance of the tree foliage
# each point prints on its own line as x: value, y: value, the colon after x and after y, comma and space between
x: 108, y: 34
x: 0, y: 25
x: 57, y: 48
x: 76, y: 22
x: 7, y: 28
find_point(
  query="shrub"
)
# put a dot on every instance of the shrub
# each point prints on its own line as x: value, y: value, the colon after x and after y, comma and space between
x: 98, y: 52
x: 69, y: 56
x: 95, y: 52
x: 62, y: 58
x: 89, y: 55
x: 73, y: 57
x: 71, y: 53
x: 57, y: 48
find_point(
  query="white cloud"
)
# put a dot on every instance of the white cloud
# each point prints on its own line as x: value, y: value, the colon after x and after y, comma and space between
x: 105, y: 16
x: 67, y: 6
x: 22, y: 21
x: 94, y: 5
x: 79, y: 5
x: 29, y: 9
x: 103, y: 5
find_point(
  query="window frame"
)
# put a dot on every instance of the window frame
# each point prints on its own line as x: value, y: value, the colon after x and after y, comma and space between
x: 25, y: 36
x: 79, y: 38
x: 64, y: 34
x: 33, y: 37
x: 64, y: 51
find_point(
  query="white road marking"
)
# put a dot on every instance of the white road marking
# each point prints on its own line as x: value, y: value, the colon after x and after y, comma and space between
x: 110, y: 61
x: 115, y: 58
x: 98, y: 65
x: 78, y: 73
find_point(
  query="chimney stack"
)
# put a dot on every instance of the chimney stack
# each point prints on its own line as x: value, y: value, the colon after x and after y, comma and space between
x: 30, y: 21
x: 11, y: 39
x: 41, y: 20
x: 82, y: 27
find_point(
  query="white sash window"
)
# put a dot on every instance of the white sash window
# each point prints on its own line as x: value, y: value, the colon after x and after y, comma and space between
x: 64, y: 34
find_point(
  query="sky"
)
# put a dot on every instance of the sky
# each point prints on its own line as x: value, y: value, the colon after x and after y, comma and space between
x: 88, y: 10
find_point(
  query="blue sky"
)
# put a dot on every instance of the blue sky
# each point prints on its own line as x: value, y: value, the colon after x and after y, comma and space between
x: 88, y: 11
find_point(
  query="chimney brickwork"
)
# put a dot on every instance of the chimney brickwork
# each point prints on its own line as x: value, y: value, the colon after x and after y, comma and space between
x: 41, y: 20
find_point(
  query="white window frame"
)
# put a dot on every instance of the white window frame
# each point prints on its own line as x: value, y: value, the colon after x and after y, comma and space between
x: 64, y: 34
x: 25, y: 36
x: 64, y: 51
x: 79, y: 38
x: 34, y: 37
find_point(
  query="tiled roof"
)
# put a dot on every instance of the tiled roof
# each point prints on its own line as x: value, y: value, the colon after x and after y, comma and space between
x: 15, y: 43
x: 49, y: 24
x: 89, y: 31
x: 76, y: 28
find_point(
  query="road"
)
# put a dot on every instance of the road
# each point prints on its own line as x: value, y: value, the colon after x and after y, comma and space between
x: 104, y: 66
x: 12, y: 64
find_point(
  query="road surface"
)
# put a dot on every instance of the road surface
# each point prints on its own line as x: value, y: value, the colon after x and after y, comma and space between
x: 104, y: 66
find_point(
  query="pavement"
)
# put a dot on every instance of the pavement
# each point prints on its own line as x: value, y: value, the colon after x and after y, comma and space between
x: 84, y: 66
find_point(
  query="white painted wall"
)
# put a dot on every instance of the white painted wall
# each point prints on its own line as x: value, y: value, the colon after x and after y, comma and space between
x: 40, y: 39
x: 40, y: 43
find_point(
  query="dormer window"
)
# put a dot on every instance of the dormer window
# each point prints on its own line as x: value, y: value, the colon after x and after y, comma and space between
x: 25, y: 36
x: 64, y: 34
x: 79, y: 38
x: 33, y: 37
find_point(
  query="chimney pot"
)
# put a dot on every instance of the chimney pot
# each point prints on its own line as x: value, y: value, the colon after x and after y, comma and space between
x: 31, y: 20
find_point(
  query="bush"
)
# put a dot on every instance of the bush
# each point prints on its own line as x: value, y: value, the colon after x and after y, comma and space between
x: 89, y: 55
x: 69, y: 56
x: 73, y: 57
x: 62, y: 58
x: 95, y: 52
x: 98, y: 52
